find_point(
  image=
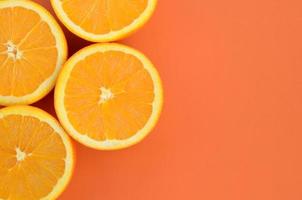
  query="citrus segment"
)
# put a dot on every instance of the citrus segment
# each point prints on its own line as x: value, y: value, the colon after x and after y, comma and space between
x: 108, y: 96
x: 32, y: 51
x: 36, y: 156
x: 102, y: 20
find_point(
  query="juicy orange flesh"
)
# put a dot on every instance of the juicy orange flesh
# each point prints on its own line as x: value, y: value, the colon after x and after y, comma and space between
x: 103, y: 16
x: 119, y: 117
x: 37, y: 174
x: 36, y: 45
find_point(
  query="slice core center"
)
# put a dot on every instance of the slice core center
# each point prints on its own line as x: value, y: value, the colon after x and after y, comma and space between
x: 20, y: 155
x: 12, y: 51
x: 106, y: 95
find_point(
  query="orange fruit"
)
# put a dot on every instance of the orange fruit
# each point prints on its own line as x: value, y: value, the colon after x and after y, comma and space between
x: 108, y: 96
x: 32, y: 51
x: 36, y: 155
x: 102, y: 20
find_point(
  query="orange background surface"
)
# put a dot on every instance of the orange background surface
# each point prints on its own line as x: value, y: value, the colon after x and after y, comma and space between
x: 231, y: 125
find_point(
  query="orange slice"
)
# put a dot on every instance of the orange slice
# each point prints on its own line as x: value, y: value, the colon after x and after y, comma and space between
x: 103, y: 20
x: 36, y: 155
x: 108, y: 96
x: 32, y: 51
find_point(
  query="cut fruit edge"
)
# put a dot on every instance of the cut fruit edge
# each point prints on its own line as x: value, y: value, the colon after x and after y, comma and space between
x: 61, y: 43
x: 107, y: 144
x: 108, y: 37
x: 53, y: 123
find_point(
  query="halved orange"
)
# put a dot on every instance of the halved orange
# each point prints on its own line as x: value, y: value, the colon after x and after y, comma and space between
x: 32, y: 51
x: 103, y: 20
x: 108, y: 96
x: 36, y: 155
